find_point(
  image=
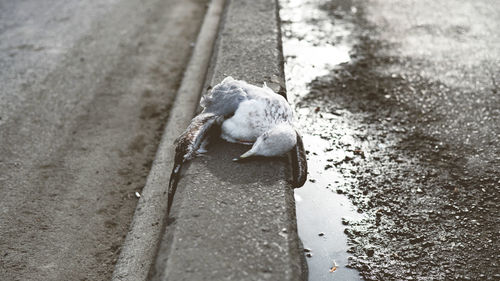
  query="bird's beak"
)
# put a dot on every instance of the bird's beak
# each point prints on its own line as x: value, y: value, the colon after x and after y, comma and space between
x: 243, y: 156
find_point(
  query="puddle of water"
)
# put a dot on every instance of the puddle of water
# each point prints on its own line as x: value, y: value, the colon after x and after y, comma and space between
x: 320, y: 211
x: 310, y: 43
x: 312, y: 46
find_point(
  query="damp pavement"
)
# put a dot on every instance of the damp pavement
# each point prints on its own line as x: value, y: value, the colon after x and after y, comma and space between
x: 85, y: 89
x: 399, y: 103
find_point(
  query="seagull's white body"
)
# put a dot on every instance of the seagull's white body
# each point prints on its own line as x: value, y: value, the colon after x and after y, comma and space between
x: 259, y: 117
x: 247, y: 123
x: 256, y: 116
x: 249, y: 115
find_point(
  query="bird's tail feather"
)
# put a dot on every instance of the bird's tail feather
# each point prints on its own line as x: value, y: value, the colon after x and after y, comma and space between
x: 299, y: 163
x: 172, y: 185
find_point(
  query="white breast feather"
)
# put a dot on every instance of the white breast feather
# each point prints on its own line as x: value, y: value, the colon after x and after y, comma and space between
x: 256, y: 116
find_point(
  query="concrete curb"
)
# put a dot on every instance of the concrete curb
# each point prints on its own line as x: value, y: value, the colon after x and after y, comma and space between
x: 140, y: 246
x: 236, y: 221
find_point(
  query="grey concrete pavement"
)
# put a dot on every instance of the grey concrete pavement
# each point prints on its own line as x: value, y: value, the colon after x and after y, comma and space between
x: 85, y: 89
x: 235, y: 221
x: 138, y: 252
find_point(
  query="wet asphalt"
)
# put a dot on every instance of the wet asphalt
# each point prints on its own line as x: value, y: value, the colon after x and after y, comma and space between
x: 400, y: 102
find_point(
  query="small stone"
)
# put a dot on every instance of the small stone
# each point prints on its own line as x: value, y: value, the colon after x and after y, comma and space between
x: 427, y: 244
x: 369, y: 251
x: 416, y: 240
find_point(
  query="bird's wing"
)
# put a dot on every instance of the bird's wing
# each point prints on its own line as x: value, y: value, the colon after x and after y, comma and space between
x: 187, y: 145
x: 224, y: 98
x: 299, y: 163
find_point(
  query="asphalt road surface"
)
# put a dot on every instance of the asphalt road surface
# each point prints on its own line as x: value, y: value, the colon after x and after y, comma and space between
x: 85, y: 88
x: 405, y: 97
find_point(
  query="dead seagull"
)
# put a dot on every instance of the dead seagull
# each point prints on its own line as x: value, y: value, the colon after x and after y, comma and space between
x: 249, y: 115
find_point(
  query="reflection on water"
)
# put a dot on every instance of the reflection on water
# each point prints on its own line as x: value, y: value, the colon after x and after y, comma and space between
x: 320, y: 211
x: 313, y: 44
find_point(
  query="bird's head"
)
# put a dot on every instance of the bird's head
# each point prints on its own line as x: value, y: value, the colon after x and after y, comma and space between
x: 278, y: 141
x: 275, y: 142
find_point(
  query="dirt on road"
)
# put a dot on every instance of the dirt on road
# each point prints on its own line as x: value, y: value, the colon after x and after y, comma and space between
x: 86, y: 89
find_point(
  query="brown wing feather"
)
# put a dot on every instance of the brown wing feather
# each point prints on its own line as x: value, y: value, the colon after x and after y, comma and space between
x: 186, y: 146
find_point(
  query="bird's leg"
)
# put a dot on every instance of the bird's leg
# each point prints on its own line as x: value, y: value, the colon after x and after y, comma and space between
x: 245, y: 142
x: 203, y: 148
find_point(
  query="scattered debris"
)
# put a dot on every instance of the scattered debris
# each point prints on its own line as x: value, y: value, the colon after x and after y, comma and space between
x: 334, y: 267
x: 359, y: 152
